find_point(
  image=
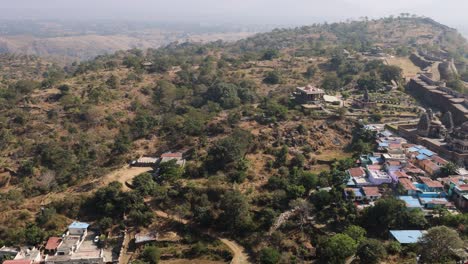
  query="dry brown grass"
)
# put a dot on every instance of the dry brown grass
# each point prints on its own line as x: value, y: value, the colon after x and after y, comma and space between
x: 409, y: 69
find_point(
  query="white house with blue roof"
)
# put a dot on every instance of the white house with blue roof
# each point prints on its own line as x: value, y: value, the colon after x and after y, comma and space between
x: 78, y: 228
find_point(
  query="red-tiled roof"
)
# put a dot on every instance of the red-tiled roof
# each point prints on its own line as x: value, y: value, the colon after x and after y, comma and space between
x: 431, y: 183
x: 410, y: 167
x: 401, y: 174
x: 463, y: 187
x: 172, y: 155
x: 18, y: 261
x: 407, y: 184
x: 371, y: 191
x: 374, y: 167
x: 53, y: 243
x: 394, y: 145
x: 356, y: 172
x: 430, y: 164
x: 439, y: 160
x: 393, y: 163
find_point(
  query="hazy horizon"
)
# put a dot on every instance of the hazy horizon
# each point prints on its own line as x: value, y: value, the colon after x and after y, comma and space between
x: 292, y: 12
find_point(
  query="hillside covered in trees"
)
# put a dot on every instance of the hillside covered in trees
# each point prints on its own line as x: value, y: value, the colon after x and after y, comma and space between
x: 252, y: 152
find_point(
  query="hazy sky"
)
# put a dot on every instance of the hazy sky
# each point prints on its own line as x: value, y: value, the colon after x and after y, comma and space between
x: 451, y: 12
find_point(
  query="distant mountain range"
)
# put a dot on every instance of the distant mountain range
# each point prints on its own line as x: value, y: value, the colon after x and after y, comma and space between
x: 70, y: 41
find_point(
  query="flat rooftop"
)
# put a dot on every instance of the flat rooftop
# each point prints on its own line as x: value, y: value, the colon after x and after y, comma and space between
x: 309, y: 89
x: 410, y: 201
x: 378, y: 174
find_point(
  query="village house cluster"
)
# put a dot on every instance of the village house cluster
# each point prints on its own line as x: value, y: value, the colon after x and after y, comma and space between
x: 410, y: 169
x: 78, y: 245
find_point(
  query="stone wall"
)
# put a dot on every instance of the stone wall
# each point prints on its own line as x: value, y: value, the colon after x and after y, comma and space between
x: 420, y: 61
x: 439, y: 99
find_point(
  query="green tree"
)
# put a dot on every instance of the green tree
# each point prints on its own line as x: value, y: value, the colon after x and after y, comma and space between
x: 170, y: 170
x: 34, y: 235
x: 337, y: 248
x: 310, y: 72
x: 438, y: 243
x: 270, y: 54
x: 390, y: 213
x: 369, y: 82
x: 113, y: 82
x: 226, y: 94
x: 269, y: 256
x: 371, y: 251
x: 144, y: 184
x: 151, y: 254
x: 331, y: 82
x: 165, y: 94
x: 229, y: 149
x: 272, y: 77
x: 390, y: 72
x: 356, y: 232
x: 235, y: 214
x: 64, y: 89
x: 282, y: 156
x: 449, y: 169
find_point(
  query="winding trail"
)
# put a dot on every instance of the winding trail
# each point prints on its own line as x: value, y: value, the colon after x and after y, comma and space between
x: 238, y: 252
x: 239, y: 255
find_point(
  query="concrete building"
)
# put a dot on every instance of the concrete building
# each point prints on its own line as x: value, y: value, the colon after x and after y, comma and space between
x: 378, y: 177
x: 458, y: 191
x: 78, y: 228
x: 309, y: 95
x: 145, y: 162
x: 75, y: 247
x: 177, y: 156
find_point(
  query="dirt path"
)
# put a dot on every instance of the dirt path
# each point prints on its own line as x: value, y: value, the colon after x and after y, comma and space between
x: 171, y: 217
x: 124, y: 174
x: 239, y: 255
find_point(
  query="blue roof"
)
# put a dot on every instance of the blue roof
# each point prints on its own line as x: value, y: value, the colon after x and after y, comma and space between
x: 410, y: 201
x: 386, y: 133
x: 78, y: 225
x: 426, y: 152
x: 357, y: 192
x: 383, y: 144
x: 413, y: 149
x: 421, y: 157
x: 376, y: 159
x: 407, y: 236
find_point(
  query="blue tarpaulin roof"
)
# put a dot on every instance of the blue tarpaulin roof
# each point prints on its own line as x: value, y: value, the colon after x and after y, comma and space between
x: 421, y: 157
x: 426, y: 152
x: 78, y: 225
x: 377, y: 160
x: 413, y: 149
x: 411, y: 202
x: 407, y: 236
x: 383, y: 144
